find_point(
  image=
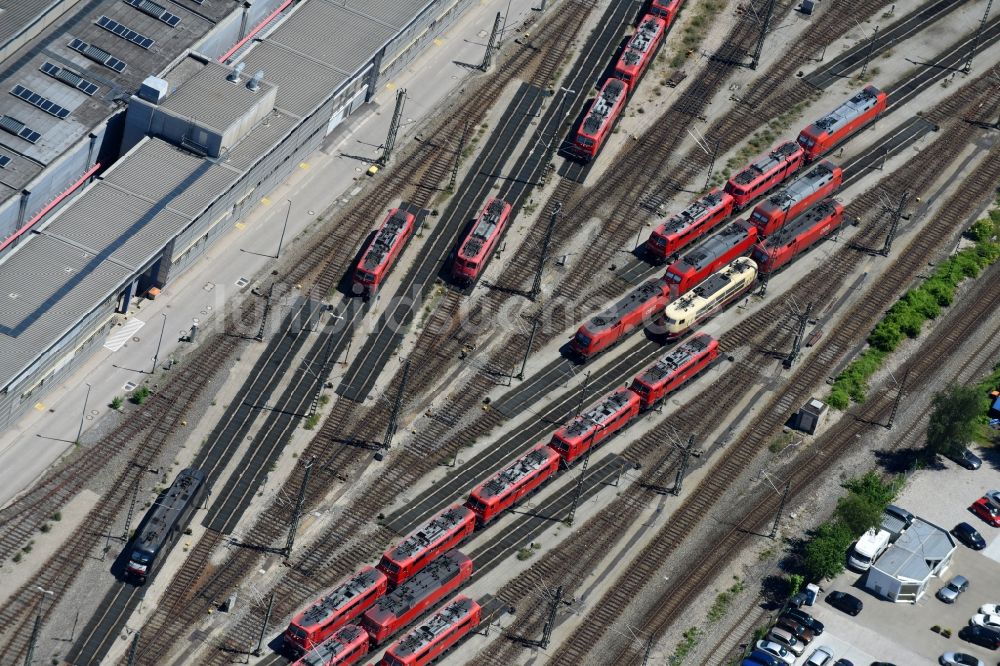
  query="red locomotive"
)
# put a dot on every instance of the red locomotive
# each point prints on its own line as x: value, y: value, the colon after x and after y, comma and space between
x: 335, y: 609
x: 735, y: 240
x: 666, y: 8
x: 432, y: 638
x: 383, y: 250
x: 625, y: 316
x: 344, y: 647
x: 601, y: 117
x: 799, y: 235
x: 441, y: 533
x: 759, y: 177
x: 673, y: 370
x: 641, y: 49
x: 845, y: 120
x: 595, y: 425
x: 481, y: 240
x: 821, y: 181
x: 408, y: 601
x: 513, y: 482
x: 687, y: 226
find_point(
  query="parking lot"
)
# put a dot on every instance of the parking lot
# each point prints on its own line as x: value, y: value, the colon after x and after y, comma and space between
x: 900, y: 633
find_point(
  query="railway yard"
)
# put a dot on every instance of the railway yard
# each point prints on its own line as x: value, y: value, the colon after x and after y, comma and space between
x: 432, y: 427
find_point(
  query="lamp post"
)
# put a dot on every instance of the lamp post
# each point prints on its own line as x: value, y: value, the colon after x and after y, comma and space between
x: 30, y: 654
x: 284, y: 226
x: 156, y: 356
x: 83, y: 416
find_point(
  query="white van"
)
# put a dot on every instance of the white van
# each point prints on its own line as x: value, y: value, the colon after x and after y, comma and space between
x: 871, y: 544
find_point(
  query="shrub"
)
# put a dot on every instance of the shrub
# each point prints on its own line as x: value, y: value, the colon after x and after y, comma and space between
x: 824, y: 553
x: 141, y: 394
x: 116, y: 402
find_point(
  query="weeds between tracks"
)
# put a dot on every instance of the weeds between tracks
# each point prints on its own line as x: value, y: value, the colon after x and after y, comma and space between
x: 774, y: 414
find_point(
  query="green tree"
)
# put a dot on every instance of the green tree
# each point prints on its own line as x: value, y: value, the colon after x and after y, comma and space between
x: 858, y: 513
x: 825, y: 553
x: 873, y: 488
x: 953, y: 419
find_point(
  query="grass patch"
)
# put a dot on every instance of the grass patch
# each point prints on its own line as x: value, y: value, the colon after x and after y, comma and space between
x: 725, y: 599
x: 906, y: 318
x: 694, y: 31
x: 311, y: 421
x: 688, y: 642
x: 780, y: 441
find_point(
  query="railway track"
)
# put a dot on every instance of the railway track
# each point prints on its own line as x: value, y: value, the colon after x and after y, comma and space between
x: 774, y: 92
x: 688, y: 518
x: 321, y: 290
x: 451, y: 311
x: 163, y: 414
x: 591, y: 542
x: 184, y: 604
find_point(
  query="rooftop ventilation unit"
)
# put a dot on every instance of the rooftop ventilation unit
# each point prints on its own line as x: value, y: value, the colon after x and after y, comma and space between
x: 254, y: 83
x: 234, y: 76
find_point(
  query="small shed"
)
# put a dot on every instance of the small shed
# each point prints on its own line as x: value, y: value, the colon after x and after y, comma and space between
x: 810, y: 417
x: 922, y: 552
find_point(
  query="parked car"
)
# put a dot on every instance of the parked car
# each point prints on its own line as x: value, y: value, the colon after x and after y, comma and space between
x: 805, y: 619
x: 966, y: 459
x: 959, y: 659
x: 821, y: 656
x: 779, y: 651
x: 969, y: 535
x: 847, y: 603
x: 843, y: 662
x: 955, y: 587
x: 984, y: 620
x: 986, y: 510
x: 990, y: 609
x: 786, y: 640
x: 801, y: 632
x: 766, y: 658
x: 993, y: 496
x: 984, y: 636
x: 900, y: 513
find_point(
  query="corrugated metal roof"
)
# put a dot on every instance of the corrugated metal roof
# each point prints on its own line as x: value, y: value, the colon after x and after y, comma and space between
x: 87, y: 111
x: 18, y: 15
x: 310, y: 32
x: 157, y: 170
x: 302, y: 83
x: 45, y: 289
x: 210, y: 100
x: 910, y: 557
x: 117, y: 225
x: 255, y: 144
x: 396, y: 13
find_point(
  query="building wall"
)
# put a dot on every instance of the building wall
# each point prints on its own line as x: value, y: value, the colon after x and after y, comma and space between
x: 882, y: 584
x: 63, y: 358
x: 55, y: 9
x: 234, y: 27
x: 53, y: 181
x: 230, y: 207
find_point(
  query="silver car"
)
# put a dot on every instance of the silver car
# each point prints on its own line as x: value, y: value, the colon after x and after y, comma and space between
x: 955, y: 587
x: 959, y: 659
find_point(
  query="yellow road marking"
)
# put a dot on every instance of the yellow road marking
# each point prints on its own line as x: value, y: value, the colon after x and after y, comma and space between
x: 39, y: 406
x: 240, y: 226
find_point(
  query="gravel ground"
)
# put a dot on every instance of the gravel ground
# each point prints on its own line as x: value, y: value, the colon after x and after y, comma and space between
x: 812, y: 510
